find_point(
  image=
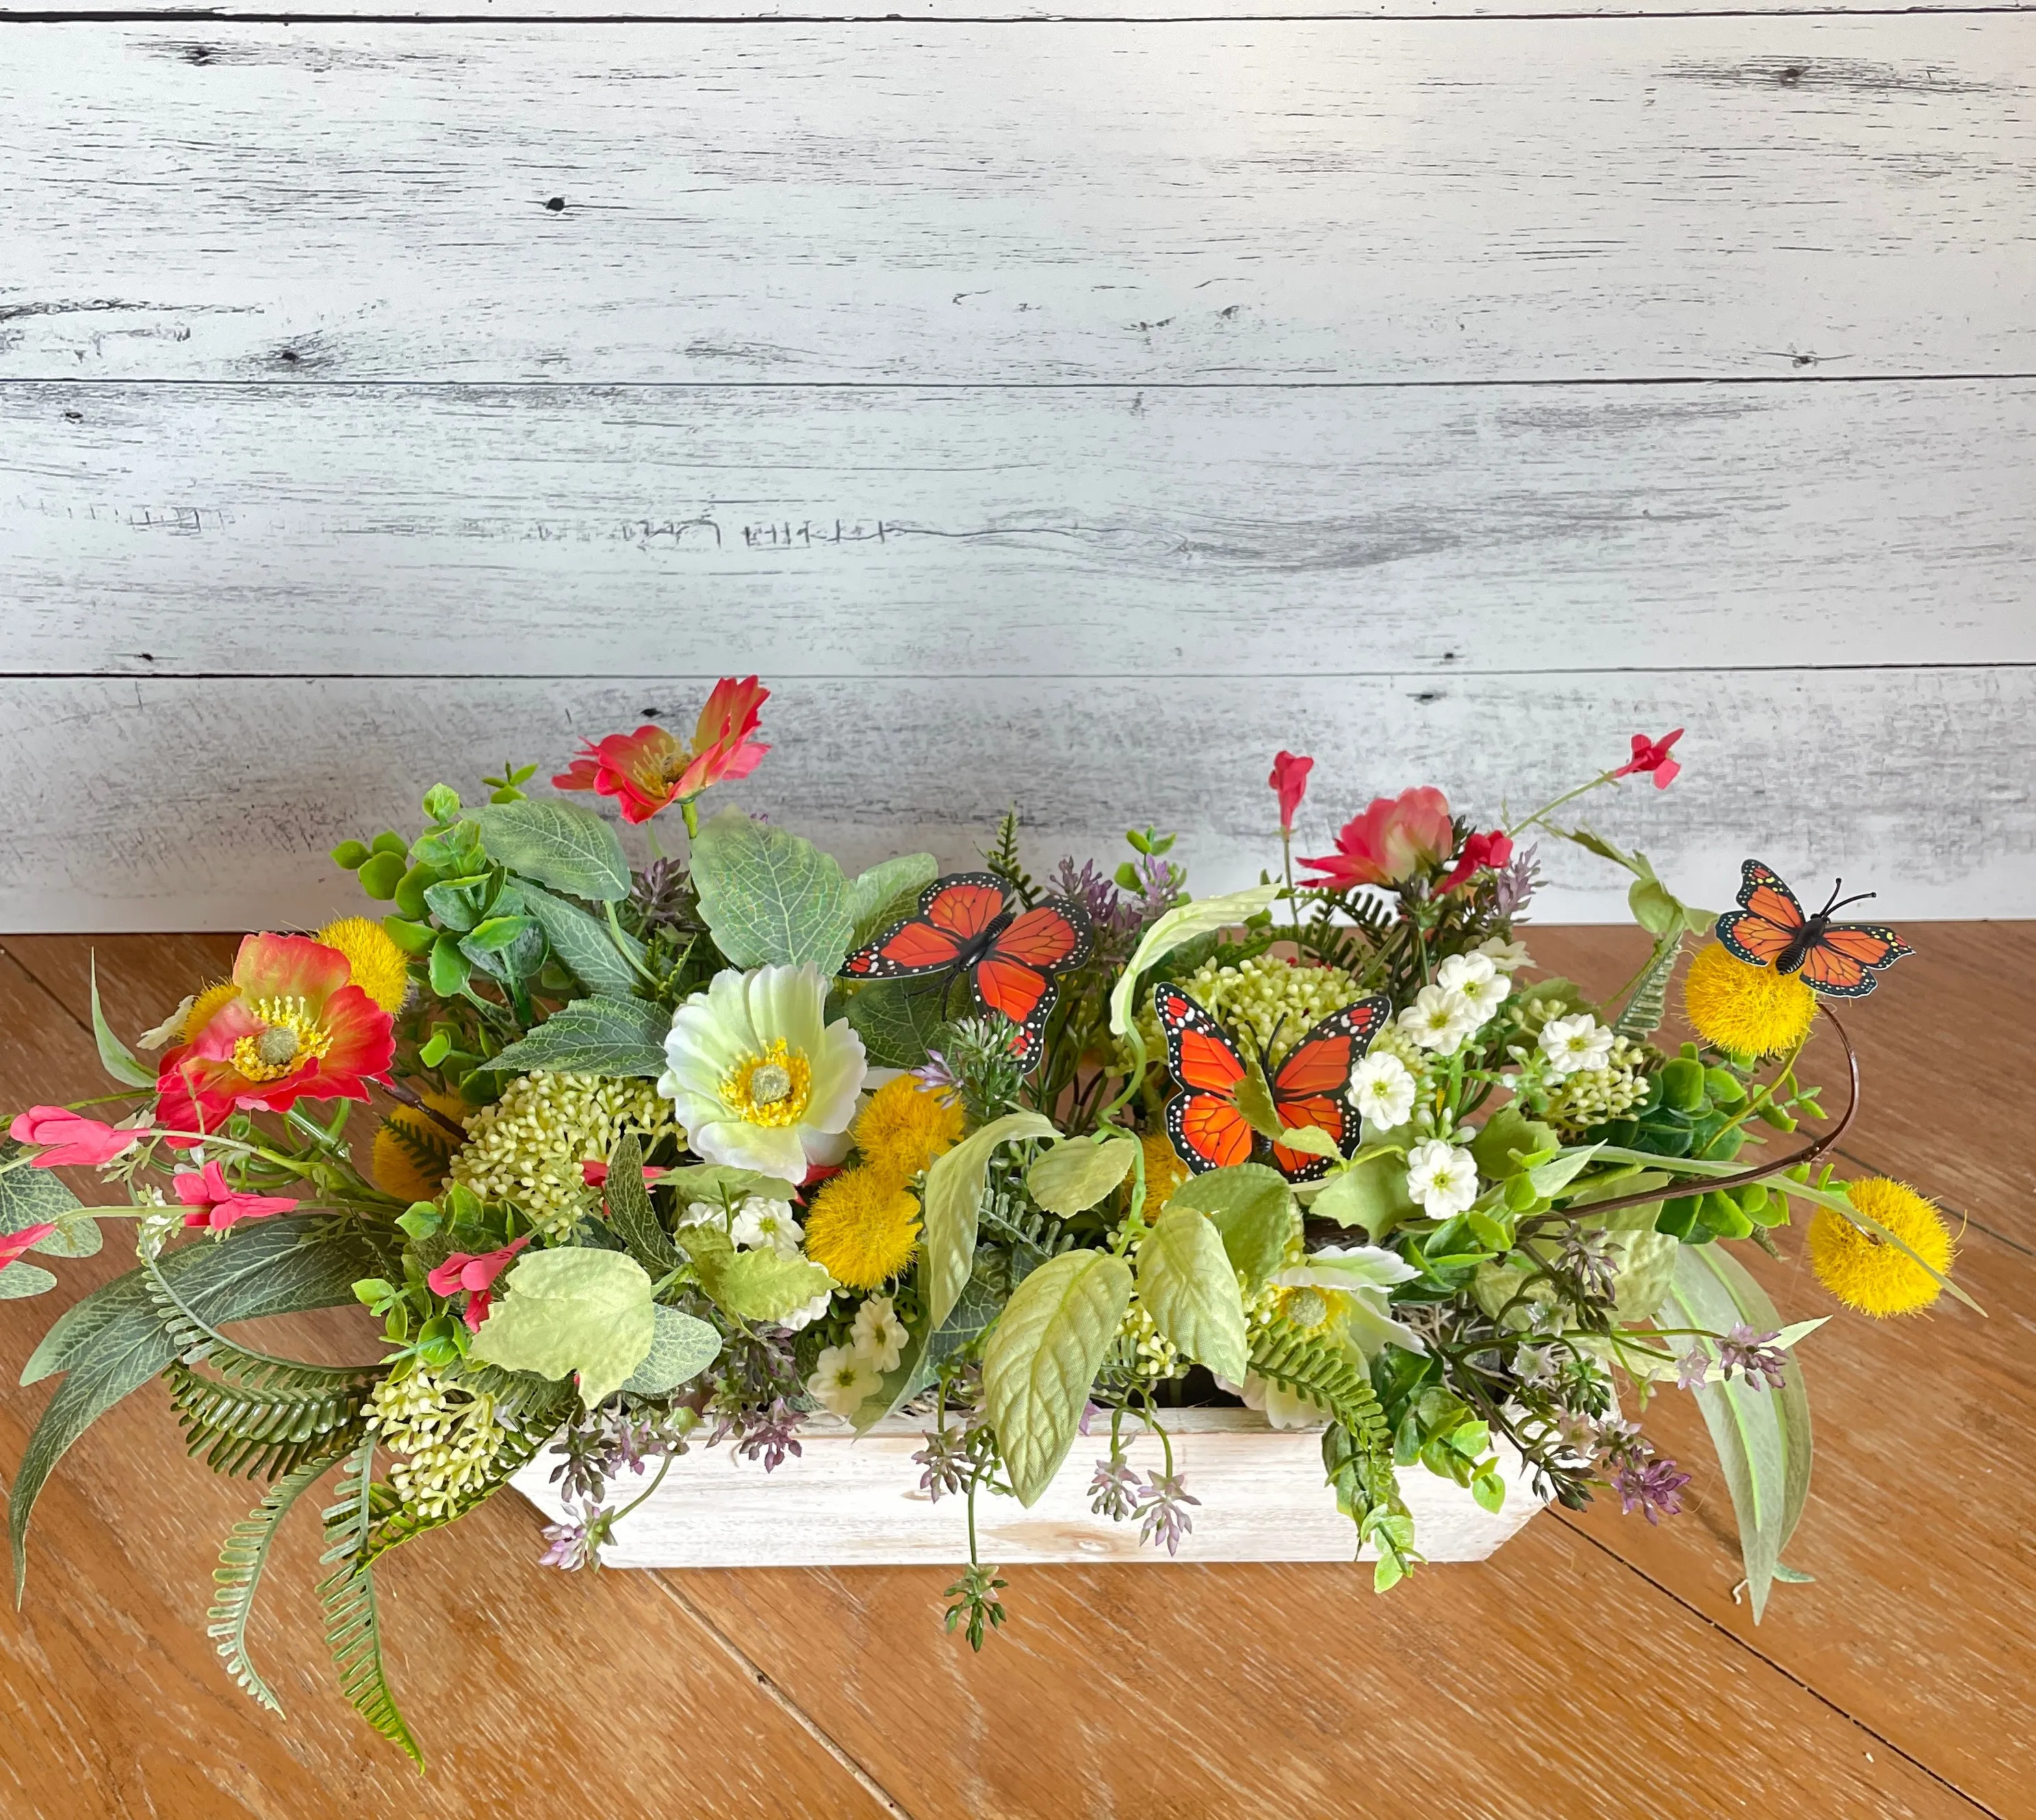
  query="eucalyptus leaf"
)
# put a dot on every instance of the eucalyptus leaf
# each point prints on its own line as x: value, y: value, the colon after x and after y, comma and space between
x: 560, y: 844
x: 572, y: 1310
x: 1078, y: 1173
x: 1182, y: 924
x: 1251, y: 1207
x: 768, y: 898
x: 682, y: 1346
x: 887, y: 892
x: 115, y: 1056
x: 598, y: 1036
x: 1041, y: 1358
x: 953, y: 1197
x: 1189, y: 1285
x: 1762, y: 1436
x: 596, y: 956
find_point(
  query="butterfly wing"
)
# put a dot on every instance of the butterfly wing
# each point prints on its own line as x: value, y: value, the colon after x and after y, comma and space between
x: 1768, y: 921
x: 1312, y: 1086
x: 1015, y: 975
x: 955, y: 913
x: 1842, y: 958
x: 1021, y: 993
x: 1208, y: 1130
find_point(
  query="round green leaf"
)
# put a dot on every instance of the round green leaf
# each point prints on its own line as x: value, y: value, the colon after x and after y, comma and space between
x: 574, y: 1309
x: 1074, y: 1175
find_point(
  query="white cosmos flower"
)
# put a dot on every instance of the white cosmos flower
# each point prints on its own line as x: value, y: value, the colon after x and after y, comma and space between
x: 843, y: 1380
x: 1280, y: 1408
x: 1353, y: 1281
x: 1382, y: 1088
x: 758, y: 1222
x: 1442, y: 1177
x: 1507, y: 956
x: 1476, y: 980
x: 1573, y: 1044
x: 878, y: 1337
x: 1439, y: 1019
x: 758, y: 1077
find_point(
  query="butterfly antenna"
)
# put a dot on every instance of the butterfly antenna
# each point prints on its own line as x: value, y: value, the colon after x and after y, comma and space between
x: 1838, y: 903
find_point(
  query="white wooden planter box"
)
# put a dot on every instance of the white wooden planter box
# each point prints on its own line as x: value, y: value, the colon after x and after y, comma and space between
x: 849, y: 1503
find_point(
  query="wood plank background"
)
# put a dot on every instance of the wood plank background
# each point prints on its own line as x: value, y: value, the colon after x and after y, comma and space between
x: 1068, y: 408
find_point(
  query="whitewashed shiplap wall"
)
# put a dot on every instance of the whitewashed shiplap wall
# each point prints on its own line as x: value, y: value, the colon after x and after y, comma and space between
x: 1068, y: 409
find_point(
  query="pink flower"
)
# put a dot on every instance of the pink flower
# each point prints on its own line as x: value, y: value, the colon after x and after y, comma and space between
x: 70, y: 1139
x: 474, y: 1272
x: 1480, y: 850
x: 1393, y: 840
x: 594, y: 1173
x: 1653, y: 755
x: 650, y: 769
x: 1289, y: 779
x: 215, y: 1206
x: 13, y: 1245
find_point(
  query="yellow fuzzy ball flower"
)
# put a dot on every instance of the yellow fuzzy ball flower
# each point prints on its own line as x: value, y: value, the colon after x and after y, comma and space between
x: 864, y: 1226
x: 414, y: 1152
x: 1164, y: 1172
x: 1867, y: 1272
x: 381, y: 969
x: 906, y: 1124
x: 1746, y: 1010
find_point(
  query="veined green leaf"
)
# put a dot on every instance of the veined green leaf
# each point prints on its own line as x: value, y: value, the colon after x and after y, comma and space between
x: 572, y: 1310
x: 630, y: 1214
x: 887, y: 892
x: 1371, y: 1194
x: 1181, y: 924
x: 768, y: 898
x: 897, y: 1019
x: 1189, y: 1285
x: 560, y: 844
x: 1252, y: 1208
x: 31, y: 1197
x: 1078, y: 1173
x: 21, y: 1279
x: 682, y: 1346
x: 1762, y: 1436
x: 1041, y: 1359
x: 953, y: 1200
x: 763, y: 1285
x: 114, y: 1054
x: 587, y: 946
x: 596, y: 1036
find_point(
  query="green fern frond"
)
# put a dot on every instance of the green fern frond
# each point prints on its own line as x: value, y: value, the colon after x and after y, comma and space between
x: 1001, y: 857
x: 1312, y: 1365
x: 352, y: 1624
x: 1648, y: 1003
x: 238, y: 1576
x: 262, y: 1425
x: 427, y: 1145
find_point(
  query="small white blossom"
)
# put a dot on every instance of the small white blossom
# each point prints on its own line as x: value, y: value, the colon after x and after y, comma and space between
x: 1442, y: 1177
x: 1574, y: 1043
x: 878, y: 1337
x: 806, y: 1313
x: 843, y: 1380
x: 1439, y: 1019
x: 1476, y: 981
x: 758, y: 1222
x: 1280, y: 1408
x: 1507, y: 956
x: 1382, y: 1088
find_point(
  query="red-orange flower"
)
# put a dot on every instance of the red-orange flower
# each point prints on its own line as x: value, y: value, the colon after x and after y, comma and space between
x: 1653, y: 755
x: 1290, y: 781
x: 294, y: 1026
x: 650, y: 769
x: 1395, y: 838
x: 1480, y: 852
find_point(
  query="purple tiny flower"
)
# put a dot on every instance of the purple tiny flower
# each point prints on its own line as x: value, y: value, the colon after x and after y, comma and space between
x: 1692, y: 1369
x: 768, y: 1436
x: 934, y: 1071
x: 576, y: 1542
x: 1754, y: 1356
x: 1512, y: 885
x: 1114, y: 1491
x: 945, y: 1459
x: 1164, y: 1501
x: 1656, y: 1486
x: 1587, y: 1257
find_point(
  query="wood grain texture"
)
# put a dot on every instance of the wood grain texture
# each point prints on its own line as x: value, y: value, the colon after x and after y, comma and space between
x: 1242, y: 1690
x: 1435, y: 200
x: 195, y: 13
x: 643, y: 531
x: 214, y: 803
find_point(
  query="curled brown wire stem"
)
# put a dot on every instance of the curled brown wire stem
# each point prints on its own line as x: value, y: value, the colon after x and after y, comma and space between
x: 1717, y: 1185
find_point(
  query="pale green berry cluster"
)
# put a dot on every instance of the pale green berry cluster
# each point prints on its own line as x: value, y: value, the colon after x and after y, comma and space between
x: 1152, y: 1355
x: 1592, y: 1095
x: 1269, y: 1003
x: 442, y: 1438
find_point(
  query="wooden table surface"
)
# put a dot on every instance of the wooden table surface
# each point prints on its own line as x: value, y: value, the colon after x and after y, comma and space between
x: 1594, y: 1666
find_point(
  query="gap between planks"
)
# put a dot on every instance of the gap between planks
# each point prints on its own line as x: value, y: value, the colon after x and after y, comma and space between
x: 1558, y: 381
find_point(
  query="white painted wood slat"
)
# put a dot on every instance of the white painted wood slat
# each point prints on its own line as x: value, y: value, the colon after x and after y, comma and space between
x: 536, y: 531
x: 1484, y: 199
x: 850, y: 1503
x: 210, y: 803
x: 189, y: 14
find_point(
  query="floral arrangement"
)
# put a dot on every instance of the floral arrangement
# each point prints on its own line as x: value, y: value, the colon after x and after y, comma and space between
x: 692, y: 1152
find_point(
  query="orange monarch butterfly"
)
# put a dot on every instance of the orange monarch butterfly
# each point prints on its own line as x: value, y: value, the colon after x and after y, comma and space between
x: 1839, y: 959
x: 1311, y: 1087
x: 964, y: 920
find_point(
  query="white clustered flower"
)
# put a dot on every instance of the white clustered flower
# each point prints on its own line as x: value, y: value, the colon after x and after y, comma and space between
x: 1475, y: 978
x: 878, y: 1336
x: 1439, y: 1019
x: 1382, y: 1089
x: 843, y: 1380
x: 806, y: 1313
x: 1442, y: 1177
x: 1507, y: 956
x: 1573, y: 1044
x: 759, y: 1223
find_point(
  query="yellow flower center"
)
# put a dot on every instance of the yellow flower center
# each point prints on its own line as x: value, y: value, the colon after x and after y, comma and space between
x: 291, y: 1037
x: 1306, y: 1307
x: 772, y: 1089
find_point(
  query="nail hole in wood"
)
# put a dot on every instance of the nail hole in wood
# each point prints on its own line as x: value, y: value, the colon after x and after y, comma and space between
x: 556, y: 205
